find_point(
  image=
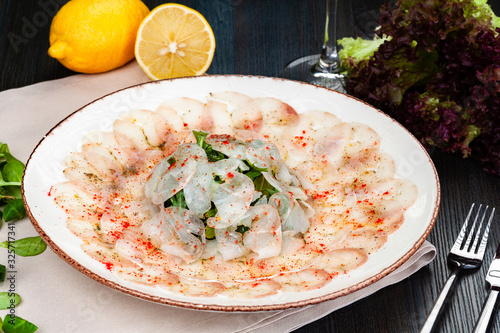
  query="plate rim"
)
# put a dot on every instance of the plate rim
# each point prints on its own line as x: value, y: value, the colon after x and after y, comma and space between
x: 230, y: 308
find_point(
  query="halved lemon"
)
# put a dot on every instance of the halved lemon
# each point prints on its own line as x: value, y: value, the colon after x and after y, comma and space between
x: 174, y: 41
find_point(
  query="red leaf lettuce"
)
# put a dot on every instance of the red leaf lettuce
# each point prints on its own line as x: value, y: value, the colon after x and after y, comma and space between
x: 434, y: 65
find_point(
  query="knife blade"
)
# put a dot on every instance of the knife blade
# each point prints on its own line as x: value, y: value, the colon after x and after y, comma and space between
x: 493, y: 279
x: 493, y: 276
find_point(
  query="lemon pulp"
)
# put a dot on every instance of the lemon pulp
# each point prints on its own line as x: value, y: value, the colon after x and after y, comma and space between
x: 174, y: 41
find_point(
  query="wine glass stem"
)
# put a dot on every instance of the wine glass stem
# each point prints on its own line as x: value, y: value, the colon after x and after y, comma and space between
x: 329, y: 60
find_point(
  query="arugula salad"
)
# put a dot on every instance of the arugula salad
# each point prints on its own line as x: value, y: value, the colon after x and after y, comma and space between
x: 223, y: 195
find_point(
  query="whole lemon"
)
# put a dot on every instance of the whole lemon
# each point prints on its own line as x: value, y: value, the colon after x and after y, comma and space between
x: 94, y: 36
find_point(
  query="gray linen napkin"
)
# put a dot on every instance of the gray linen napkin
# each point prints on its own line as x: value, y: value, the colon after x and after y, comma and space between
x: 57, y: 298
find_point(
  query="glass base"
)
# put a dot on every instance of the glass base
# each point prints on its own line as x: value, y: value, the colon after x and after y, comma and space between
x: 306, y: 69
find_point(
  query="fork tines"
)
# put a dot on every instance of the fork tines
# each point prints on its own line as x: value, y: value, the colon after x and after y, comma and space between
x: 466, y: 254
x: 474, y: 233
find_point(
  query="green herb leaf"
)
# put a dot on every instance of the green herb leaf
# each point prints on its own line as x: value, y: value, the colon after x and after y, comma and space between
x: 26, y: 247
x: 242, y: 229
x: 4, y: 182
x: 262, y: 185
x: 171, y: 160
x: 16, y: 324
x: 2, y: 273
x: 4, y: 148
x: 11, y: 192
x: 14, y: 210
x: 255, y: 168
x: 177, y: 200
x: 253, y: 172
x: 212, y: 212
x: 13, y: 170
x: 212, y: 155
x: 200, y: 137
x: 8, y: 300
x: 11, y: 174
x: 218, y: 179
x: 209, y: 232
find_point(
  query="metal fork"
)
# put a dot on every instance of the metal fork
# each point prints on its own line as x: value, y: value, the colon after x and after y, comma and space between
x: 466, y: 253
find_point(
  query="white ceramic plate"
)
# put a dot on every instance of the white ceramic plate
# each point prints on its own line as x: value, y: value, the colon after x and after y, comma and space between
x: 44, y: 169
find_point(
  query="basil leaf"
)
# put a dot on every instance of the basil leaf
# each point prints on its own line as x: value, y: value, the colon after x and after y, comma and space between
x: 242, y: 229
x: 11, y: 192
x: 263, y: 186
x: 4, y: 148
x: 14, y: 210
x: 209, y: 232
x: 2, y: 273
x: 16, y: 324
x: 13, y: 170
x: 8, y: 300
x: 26, y: 247
x: 177, y: 200
x: 3, y: 182
x: 211, y: 212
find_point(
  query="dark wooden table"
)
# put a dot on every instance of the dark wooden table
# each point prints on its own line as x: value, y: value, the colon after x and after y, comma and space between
x: 259, y: 37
